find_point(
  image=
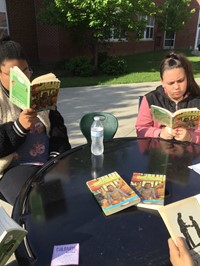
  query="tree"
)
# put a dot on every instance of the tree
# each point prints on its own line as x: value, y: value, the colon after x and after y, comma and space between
x: 173, y: 15
x: 95, y: 18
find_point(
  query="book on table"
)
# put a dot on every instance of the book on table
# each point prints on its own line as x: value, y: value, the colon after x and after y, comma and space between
x: 11, y: 235
x: 112, y: 193
x: 182, y: 219
x: 150, y: 188
x: 188, y: 118
x: 40, y: 94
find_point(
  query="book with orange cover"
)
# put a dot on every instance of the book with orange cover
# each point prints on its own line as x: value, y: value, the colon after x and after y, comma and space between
x: 150, y: 188
x: 112, y: 193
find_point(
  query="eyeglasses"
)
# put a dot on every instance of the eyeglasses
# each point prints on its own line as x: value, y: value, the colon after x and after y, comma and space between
x: 28, y: 69
x: 24, y: 70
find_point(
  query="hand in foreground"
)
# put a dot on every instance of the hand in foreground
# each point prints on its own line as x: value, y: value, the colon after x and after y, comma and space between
x: 181, y: 134
x: 166, y: 133
x: 27, y: 118
x: 179, y: 255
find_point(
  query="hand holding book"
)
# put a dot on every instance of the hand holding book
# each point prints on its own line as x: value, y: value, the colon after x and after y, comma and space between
x: 179, y: 133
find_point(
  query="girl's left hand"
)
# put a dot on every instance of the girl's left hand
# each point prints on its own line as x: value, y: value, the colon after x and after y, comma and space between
x: 181, y: 134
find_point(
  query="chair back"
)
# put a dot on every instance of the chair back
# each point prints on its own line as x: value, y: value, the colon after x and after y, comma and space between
x: 139, y: 101
x: 108, y: 120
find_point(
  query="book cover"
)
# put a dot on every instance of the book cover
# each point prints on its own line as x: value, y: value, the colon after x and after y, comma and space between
x: 65, y: 255
x: 112, y: 193
x: 40, y: 94
x: 188, y: 117
x: 182, y: 218
x: 11, y: 235
x: 150, y: 188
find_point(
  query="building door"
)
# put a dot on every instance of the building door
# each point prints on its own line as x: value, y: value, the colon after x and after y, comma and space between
x: 169, y: 40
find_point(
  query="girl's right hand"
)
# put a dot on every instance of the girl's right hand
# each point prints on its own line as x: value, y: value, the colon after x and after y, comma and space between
x: 166, y: 133
x: 179, y: 254
x: 28, y: 118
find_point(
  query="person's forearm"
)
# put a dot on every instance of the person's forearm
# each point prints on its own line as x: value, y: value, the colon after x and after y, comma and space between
x: 12, y: 136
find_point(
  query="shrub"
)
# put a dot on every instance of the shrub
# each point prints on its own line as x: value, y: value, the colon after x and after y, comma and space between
x: 80, y: 66
x: 114, y: 66
x: 102, y: 57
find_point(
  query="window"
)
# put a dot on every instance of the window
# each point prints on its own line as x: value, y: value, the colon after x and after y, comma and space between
x: 3, y: 18
x: 197, y: 39
x: 149, y: 31
x: 169, y: 40
x: 116, y: 35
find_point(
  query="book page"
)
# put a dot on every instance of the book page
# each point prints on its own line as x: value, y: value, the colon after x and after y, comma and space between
x: 182, y: 218
x: 161, y: 115
x: 50, y: 77
x: 11, y: 235
x: 6, y: 222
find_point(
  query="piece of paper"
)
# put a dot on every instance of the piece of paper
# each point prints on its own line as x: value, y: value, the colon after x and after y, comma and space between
x: 195, y: 167
x: 65, y: 255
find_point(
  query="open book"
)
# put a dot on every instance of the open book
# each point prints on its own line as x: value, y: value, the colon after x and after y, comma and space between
x: 182, y: 218
x: 11, y: 235
x: 188, y: 117
x: 112, y: 193
x: 40, y: 94
x: 150, y: 188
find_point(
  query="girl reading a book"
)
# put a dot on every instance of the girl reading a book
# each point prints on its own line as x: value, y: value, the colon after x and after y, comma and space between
x: 178, y: 90
x: 28, y: 139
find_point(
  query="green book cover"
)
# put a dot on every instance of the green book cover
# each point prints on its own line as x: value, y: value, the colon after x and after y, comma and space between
x: 11, y: 235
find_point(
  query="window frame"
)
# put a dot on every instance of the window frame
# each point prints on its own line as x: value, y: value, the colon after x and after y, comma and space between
x: 148, y: 34
x: 3, y: 10
x: 112, y: 32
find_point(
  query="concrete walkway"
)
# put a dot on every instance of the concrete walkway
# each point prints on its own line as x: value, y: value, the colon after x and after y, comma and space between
x: 120, y: 100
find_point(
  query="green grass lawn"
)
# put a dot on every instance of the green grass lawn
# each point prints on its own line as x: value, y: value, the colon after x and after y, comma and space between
x: 143, y: 67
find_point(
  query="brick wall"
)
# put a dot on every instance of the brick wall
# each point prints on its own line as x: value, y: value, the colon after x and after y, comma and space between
x: 51, y: 44
x: 22, y: 25
x: 186, y: 37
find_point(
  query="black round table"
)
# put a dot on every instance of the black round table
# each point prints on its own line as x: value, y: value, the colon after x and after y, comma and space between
x: 57, y: 208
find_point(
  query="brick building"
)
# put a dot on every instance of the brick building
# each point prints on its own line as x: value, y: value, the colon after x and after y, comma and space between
x: 50, y: 44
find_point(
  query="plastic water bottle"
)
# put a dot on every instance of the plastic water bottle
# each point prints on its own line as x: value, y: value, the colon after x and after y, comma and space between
x: 97, y: 133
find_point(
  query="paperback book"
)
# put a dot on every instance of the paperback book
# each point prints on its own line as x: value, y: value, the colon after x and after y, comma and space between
x: 40, y: 94
x: 182, y: 218
x: 188, y: 117
x: 11, y: 235
x: 112, y: 193
x: 150, y: 188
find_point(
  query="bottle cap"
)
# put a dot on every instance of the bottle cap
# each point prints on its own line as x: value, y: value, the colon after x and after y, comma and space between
x: 96, y: 118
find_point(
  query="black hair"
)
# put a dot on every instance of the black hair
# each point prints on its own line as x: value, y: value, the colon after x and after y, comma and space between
x: 10, y: 49
x: 177, y: 60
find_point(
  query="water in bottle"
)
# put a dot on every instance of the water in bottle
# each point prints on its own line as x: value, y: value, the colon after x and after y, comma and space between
x: 97, y: 133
